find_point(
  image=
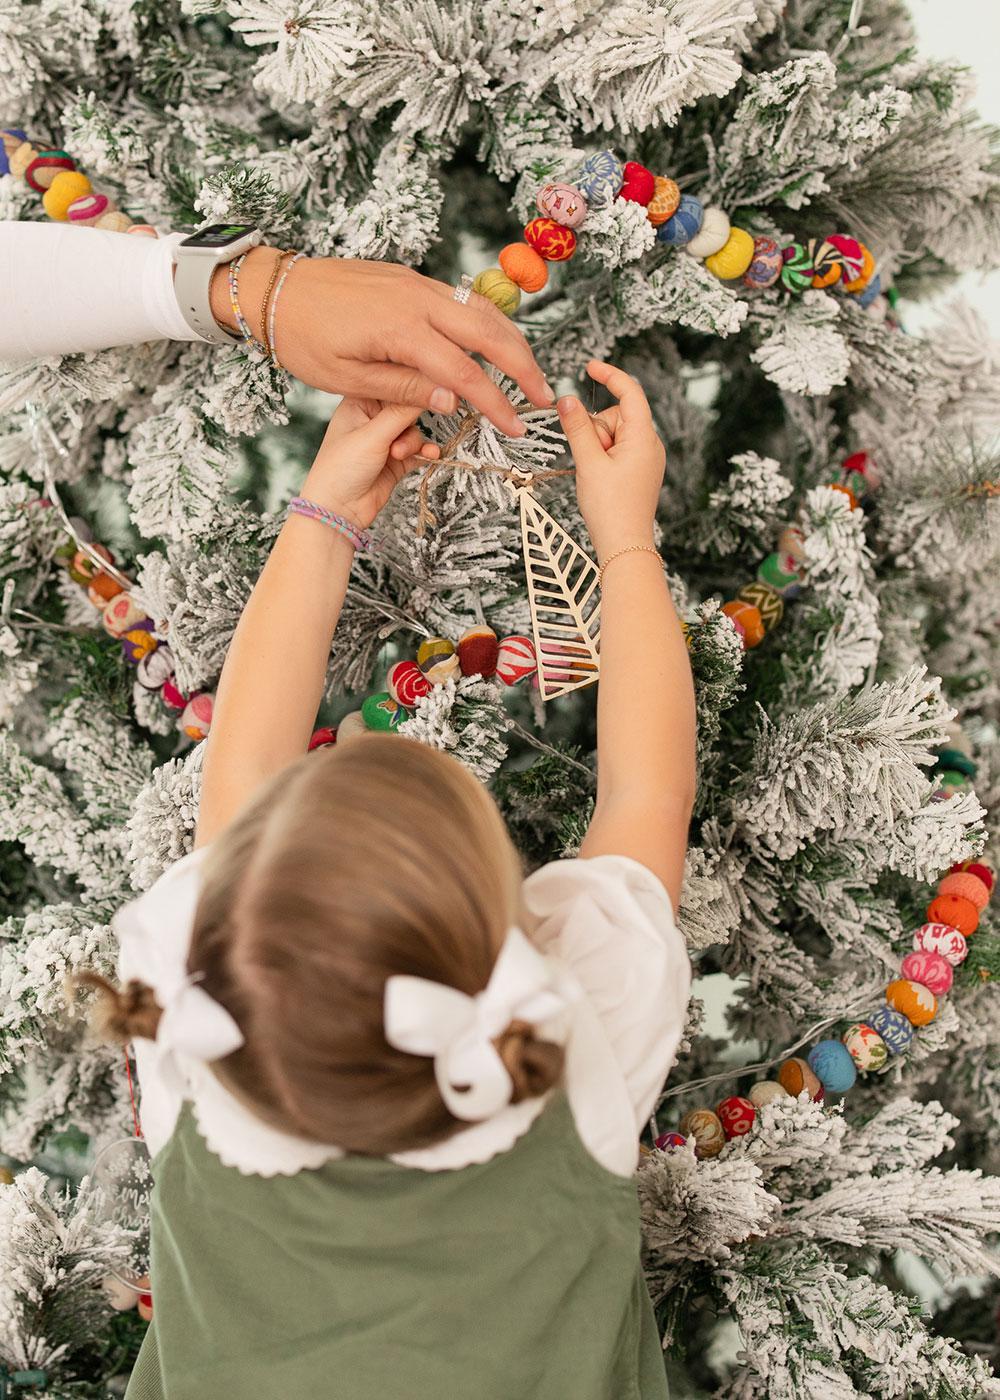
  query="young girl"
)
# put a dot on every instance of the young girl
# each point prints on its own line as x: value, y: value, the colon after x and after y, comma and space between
x: 393, y: 1094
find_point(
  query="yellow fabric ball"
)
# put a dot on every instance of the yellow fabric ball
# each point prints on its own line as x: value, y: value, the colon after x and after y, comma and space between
x: 494, y: 283
x: 115, y: 220
x: 67, y: 186
x: 21, y: 158
x: 734, y: 257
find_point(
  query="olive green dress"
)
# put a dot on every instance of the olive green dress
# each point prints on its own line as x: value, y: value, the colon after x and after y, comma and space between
x: 513, y: 1279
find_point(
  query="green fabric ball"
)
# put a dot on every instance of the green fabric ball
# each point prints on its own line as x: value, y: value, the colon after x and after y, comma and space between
x: 381, y: 711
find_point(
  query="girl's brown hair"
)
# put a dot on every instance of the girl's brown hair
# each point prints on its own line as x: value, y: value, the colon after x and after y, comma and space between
x: 376, y: 857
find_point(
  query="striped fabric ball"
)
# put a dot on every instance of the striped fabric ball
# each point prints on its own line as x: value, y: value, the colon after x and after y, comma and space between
x: 859, y: 282
x: 931, y: 970
x: 733, y: 258
x: 121, y: 614
x: 852, y: 255
x: 865, y: 1046
x: 774, y: 572
x: 917, y: 1002
x: 966, y: 886
x: 381, y: 712
x: 956, y: 910
x: 894, y: 1028
x: 712, y: 235
x: 797, y: 268
x: 65, y: 187
x: 749, y: 619
x: 437, y: 659
x: 767, y: 1091
x: 833, y: 1065
x: 516, y: 659
x: 600, y: 179
x: 478, y: 650
x: 564, y: 203
x: 765, y: 265
x: 494, y: 284
x: 708, y: 1133
x: 666, y: 198
x: 737, y: 1116
x: 796, y: 1075
x: 87, y: 209
x: 943, y: 939
x: 767, y: 602
x: 406, y: 683
x: 524, y: 266
x: 155, y: 668
x: 550, y: 240
x: 45, y: 167
x: 827, y: 265
x: 683, y: 224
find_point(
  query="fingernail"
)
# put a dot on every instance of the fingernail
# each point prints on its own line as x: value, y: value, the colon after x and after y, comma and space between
x: 443, y: 400
x: 567, y: 403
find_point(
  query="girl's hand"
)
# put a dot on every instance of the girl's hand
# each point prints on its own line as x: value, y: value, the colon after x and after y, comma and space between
x: 368, y: 447
x: 619, y: 462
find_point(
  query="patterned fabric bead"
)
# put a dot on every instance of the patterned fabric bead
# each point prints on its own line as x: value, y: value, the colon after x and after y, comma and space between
x: 865, y: 1046
x: 894, y: 1028
x: 67, y: 186
x: 155, y: 668
x: 773, y: 572
x: 550, y: 240
x: 45, y: 167
x: 10, y: 139
x: 831, y: 1062
x: 600, y: 179
x: 478, y: 650
x: 954, y: 909
x: 524, y: 266
x: 943, y: 939
x: 196, y: 720
x: 666, y: 198
x: 766, y: 600
x: 121, y: 614
x: 852, y: 254
x: 712, y: 235
x: 871, y: 291
x: 931, y: 970
x: 792, y: 541
x: 382, y: 712
x: 797, y: 1075
x: 171, y: 696
x: 867, y: 272
x: 966, y: 886
x: 564, y: 203
x: 797, y: 270
x: 828, y: 268
x: 666, y: 1141
x: 87, y: 209
x: 494, y: 284
x: 708, y: 1133
x: 516, y: 659
x: 638, y: 183
x: 138, y: 641
x: 733, y: 258
x: 767, y: 1091
x: 917, y: 1002
x: 737, y: 1116
x: 765, y: 265
x: 683, y: 224
x: 749, y: 619
x: 406, y: 683
x: 437, y: 659
x: 20, y: 158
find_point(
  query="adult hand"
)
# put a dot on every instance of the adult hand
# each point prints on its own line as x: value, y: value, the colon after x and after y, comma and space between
x: 381, y: 331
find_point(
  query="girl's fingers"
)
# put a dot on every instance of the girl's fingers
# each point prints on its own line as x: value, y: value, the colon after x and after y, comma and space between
x: 627, y: 390
x: 606, y: 425
x: 408, y: 443
x: 392, y: 421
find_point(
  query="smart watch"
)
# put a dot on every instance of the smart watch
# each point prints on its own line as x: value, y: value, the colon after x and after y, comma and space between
x: 196, y: 258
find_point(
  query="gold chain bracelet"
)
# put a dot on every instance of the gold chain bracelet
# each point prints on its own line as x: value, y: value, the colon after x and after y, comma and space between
x: 629, y: 549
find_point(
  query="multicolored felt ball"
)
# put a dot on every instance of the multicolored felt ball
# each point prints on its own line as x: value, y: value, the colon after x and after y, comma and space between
x: 954, y: 909
x: 138, y: 641
x: 749, y: 619
x: 437, y: 659
x: 88, y: 209
x: 638, y: 183
x: 494, y: 284
x: 406, y: 683
x: 102, y: 588
x: 67, y: 186
x: 797, y: 1075
x: 917, y: 1002
x: 772, y: 572
x: 865, y: 1046
x: 894, y: 1028
x: 172, y: 696
x: 478, y: 650
x: 114, y: 220
x: 827, y: 264
x: 524, y: 266
x: 322, y: 738
x: 737, y: 1115
x: 564, y: 203
x: 45, y: 167
x: 516, y: 659
x: 859, y: 282
x: 121, y: 614
x: 852, y: 256
x: 143, y: 230
x: 733, y: 258
x: 155, y: 667
x: 381, y: 711
x: 600, y: 179
x: 551, y: 241
x: 833, y: 1065
x: 797, y: 268
x: 20, y: 158
x: 708, y: 1133
x: 766, y: 600
x: 10, y: 139
x: 765, y: 264
x: 683, y: 224
x: 196, y: 721
x: 83, y: 567
x: 666, y: 198
x: 872, y: 290
x: 931, y: 970
x: 792, y: 542
x: 967, y: 886
x: 943, y: 939
x: 977, y: 868
x: 712, y: 235
x: 766, y: 1091
x: 666, y: 1141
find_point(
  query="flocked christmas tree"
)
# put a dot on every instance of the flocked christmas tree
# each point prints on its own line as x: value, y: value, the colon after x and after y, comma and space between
x: 420, y: 131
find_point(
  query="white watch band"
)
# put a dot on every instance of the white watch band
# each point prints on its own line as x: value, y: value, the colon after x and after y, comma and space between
x: 192, y: 283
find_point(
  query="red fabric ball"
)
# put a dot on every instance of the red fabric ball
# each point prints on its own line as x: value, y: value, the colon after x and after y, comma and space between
x: 173, y: 698
x: 953, y: 909
x: 322, y: 737
x: 406, y: 683
x: 668, y: 1140
x: 551, y: 241
x: 478, y: 649
x: 639, y: 183
x: 856, y: 462
x: 737, y: 1116
x: 975, y: 867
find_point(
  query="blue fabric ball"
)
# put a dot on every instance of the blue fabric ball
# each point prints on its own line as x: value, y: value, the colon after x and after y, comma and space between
x: 833, y: 1065
x: 600, y: 178
x: 11, y: 131
x: 893, y: 1027
x: 683, y: 224
x: 869, y: 294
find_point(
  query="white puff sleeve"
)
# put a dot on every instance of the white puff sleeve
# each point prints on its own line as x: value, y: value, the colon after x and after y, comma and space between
x: 609, y: 920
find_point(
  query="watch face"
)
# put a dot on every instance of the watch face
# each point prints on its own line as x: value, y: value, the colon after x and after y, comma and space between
x: 217, y: 235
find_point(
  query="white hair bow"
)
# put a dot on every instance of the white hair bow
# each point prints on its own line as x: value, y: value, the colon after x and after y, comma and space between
x: 193, y: 1023
x: 428, y: 1018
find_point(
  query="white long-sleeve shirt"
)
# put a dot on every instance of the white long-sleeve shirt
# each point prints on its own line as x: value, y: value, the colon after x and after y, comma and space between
x: 66, y: 289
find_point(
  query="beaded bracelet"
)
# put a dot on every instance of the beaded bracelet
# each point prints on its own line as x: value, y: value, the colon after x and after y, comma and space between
x: 280, y: 254
x: 360, y: 539
x: 234, y: 299
x: 629, y: 549
x: 274, y: 302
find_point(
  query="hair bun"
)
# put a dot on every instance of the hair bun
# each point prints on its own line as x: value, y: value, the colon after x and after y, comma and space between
x: 121, y: 1013
x: 534, y: 1065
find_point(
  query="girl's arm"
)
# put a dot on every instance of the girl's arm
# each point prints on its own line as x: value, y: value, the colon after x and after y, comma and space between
x: 275, y: 669
x: 645, y: 700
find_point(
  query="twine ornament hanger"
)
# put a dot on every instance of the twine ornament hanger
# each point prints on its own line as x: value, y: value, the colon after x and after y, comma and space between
x: 563, y: 580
